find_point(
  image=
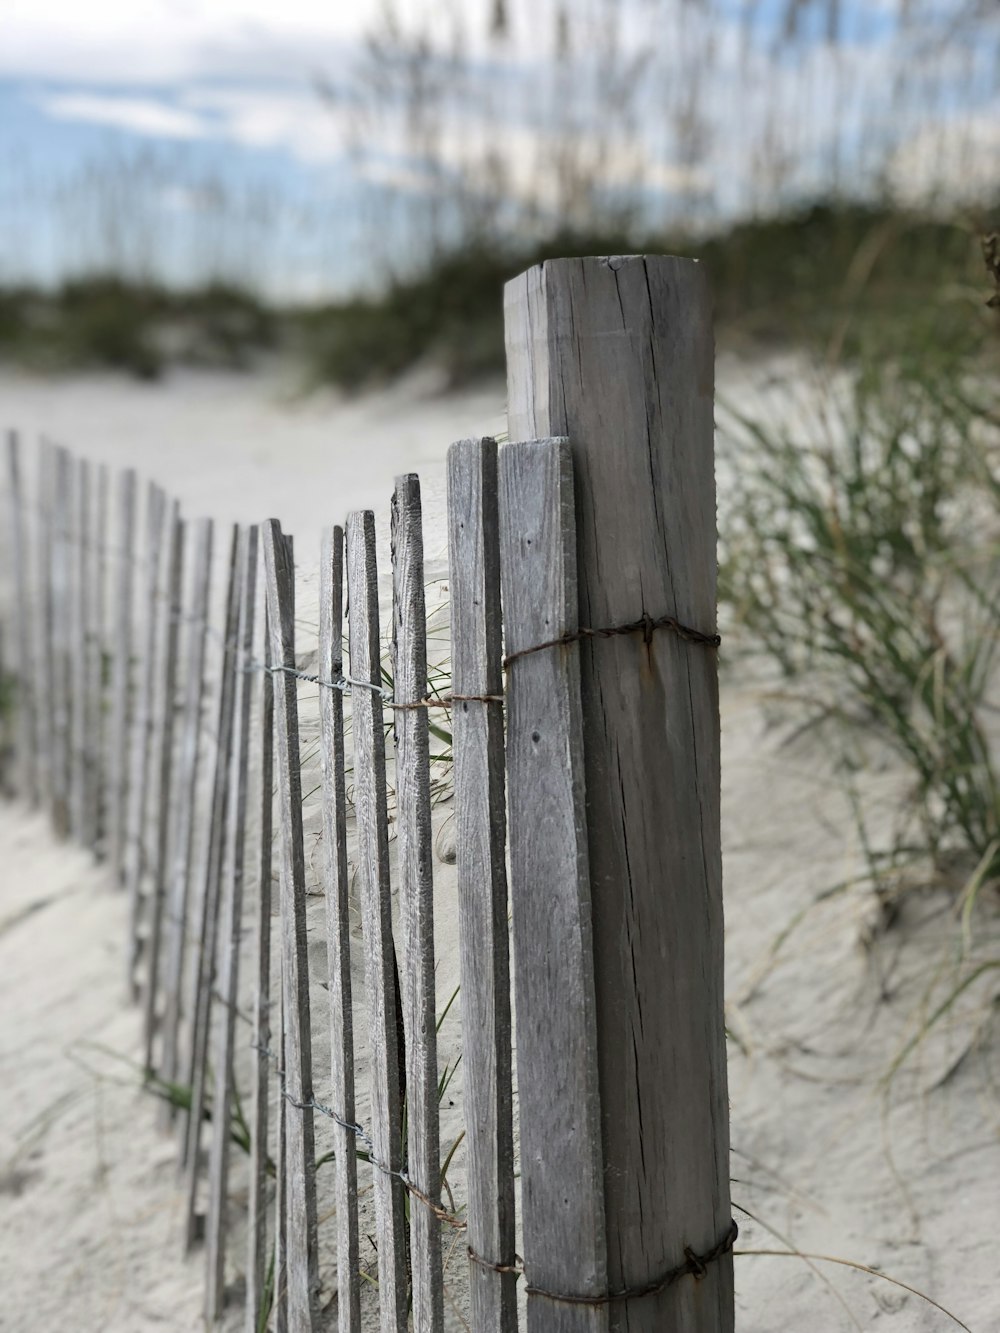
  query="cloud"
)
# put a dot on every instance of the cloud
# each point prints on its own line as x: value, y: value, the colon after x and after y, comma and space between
x: 139, y: 115
x: 955, y: 161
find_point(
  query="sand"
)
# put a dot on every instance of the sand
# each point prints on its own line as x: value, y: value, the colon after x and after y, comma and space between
x: 903, y: 1176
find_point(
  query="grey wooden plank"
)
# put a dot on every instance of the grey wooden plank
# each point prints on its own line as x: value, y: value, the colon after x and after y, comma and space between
x: 98, y: 654
x: 376, y: 911
x: 207, y: 916
x: 186, y: 803
x: 480, y: 840
x: 81, y: 589
x: 121, y: 684
x: 229, y: 943
x: 166, y: 794
x: 26, y: 684
x: 416, y: 883
x: 62, y: 601
x: 257, y: 1255
x: 279, y: 1283
x: 561, y: 1163
x: 338, y: 929
x: 137, y: 861
x: 43, y: 601
x: 300, y: 1178
x: 617, y: 355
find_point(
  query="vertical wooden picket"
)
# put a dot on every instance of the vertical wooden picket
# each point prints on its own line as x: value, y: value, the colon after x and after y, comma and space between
x: 376, y: 910
x: 165, y: 794
x: 257, y: 1254
x: 416, y: 878
x: 300, y: 1176
x: 26, y: 687
x: 480, y: 842
x: 186, y: 801
x: 81, y: 707
x: 137, y: 859
x: 98, y: 653
x: 338, y: 921
x: 121, y: 684
x: 229, y: 942
x: 61, y: 592
x: 207, y: 926
x: 562, y: 1184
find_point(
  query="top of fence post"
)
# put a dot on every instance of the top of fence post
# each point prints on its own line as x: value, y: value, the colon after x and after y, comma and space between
x: 617, y: 354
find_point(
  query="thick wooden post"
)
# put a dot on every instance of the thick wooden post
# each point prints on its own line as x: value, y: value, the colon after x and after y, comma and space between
x: 617, y: 354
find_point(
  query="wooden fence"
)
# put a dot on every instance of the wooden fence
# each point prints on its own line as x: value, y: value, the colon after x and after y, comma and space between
x: 571, y: 741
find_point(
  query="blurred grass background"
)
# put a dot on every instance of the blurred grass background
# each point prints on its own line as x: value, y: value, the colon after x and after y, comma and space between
x: 833, y: 162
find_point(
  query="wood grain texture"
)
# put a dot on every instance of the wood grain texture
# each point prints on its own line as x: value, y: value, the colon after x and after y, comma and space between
x: 62, y: 611
x: 81, y: 760
x: 561, y: 1163
x: 376, y: 911
x: 300, y: 1174
x: 257, y: 1254
x: 416, y: 883
x: 186, y: 802
x: 617, y: 355
x: 138, y: 859
x: 164, y: 793
x: 121, y: 683
x: 229, y: 942
x: 26, y: 685
x: 481, y: 833
x: 338, y: 929
x: 207, y: 922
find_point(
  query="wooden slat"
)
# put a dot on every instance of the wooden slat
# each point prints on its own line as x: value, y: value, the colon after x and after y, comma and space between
x: 166, y: 794
x: 376, y: 910
x: 300, y: 1181
x: 338, y: 927
x: 562, y: 1185
x: 616, y: 354
x: 229, y: 943
x: 44, y: 672
x: 257, y: 1254
x: 81, y: 759
x: 186, y: 802
x: 62, y: 579
x: 416, y: 881
x: 97, y: 647
x: 279, y: 1288
x: 207, y: 922
x: 26, y: 684
x: 121, y: 684
x: 137, y: 860
x: 480, y: 840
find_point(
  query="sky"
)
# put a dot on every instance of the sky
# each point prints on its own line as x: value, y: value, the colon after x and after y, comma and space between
x: 192, y: 134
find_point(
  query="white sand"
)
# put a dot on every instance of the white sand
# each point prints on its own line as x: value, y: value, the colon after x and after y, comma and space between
x: 908, y: 1181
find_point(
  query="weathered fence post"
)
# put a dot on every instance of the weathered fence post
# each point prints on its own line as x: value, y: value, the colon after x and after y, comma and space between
x: 617, y: 355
